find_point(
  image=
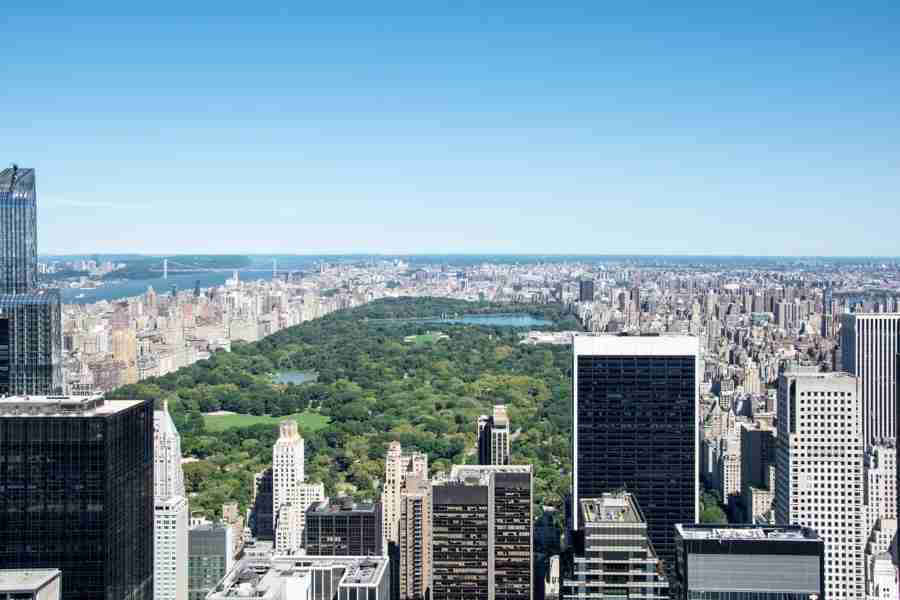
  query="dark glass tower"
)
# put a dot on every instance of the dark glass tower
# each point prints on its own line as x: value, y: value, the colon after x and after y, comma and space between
x: 482, y: 533
x: 18, y: 231
x: 30, y: 343
x: 635, y: 428
x: 76, y: 493
x: 30, y: 319
x: 343, y: 528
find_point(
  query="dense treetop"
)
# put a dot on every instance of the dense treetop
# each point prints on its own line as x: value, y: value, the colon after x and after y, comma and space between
x: 374, y: 388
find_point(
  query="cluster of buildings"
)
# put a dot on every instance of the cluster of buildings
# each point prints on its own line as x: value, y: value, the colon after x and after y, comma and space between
x: 771, y: 389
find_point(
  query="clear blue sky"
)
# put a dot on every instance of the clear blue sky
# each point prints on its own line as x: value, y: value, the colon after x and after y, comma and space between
x: 468, y: 127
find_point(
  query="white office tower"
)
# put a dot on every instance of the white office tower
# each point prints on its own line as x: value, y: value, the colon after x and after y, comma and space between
x: 397, y: 467
x: 307, y: 495
x: 869, y: 346
x: 168, y: 478
x: 819, y: 471
x: 171, y: 514
x: 170, y: 548
x: 289, y: 529
x: 287, y: 467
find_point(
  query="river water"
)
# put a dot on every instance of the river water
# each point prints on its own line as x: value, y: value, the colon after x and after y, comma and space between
x: 136, y: 287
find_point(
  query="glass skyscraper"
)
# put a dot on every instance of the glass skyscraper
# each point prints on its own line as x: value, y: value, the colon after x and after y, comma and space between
x: 30, y: 318
x: 30, y: 343
x: 635, y: 428
x: 18, y: 231
x: 76, y: 493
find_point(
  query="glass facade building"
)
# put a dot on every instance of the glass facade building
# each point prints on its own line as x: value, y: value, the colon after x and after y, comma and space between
x: 343, y: 528
x: 635, y: 428
x: 76, y: 493
x: 748, y: 562
x: 18, y: 231
x: 31, y: 343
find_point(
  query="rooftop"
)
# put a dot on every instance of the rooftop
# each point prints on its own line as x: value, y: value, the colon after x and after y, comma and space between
x: 617, y: 507
x: 26, y: 580
x: 747, y: 532
x: 481, y: 473
x: 341, y: 505
x: 636, y: 345
x: 62, y: 406
x: 22, y: 175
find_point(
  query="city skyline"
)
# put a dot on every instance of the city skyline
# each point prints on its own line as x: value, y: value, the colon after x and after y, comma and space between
x: 575, y: 129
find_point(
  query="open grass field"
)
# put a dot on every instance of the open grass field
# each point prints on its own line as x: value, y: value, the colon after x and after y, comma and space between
x: 308, y: 421
x: 425, y: 338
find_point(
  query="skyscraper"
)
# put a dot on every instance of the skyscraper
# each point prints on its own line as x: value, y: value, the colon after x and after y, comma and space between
x: 586, y: 290
x: 635, y: 404
x: 820, y: 470
x: 171, y: 514
x: 30, y: 319
x: 343, y: 528
x: 482, y: 533
x: 725, y: 562
x: 262, y: 518
x: 493, y: 437
x: 18, y: 231
x: 287, y: 467
x: 168, y: 476
x: 209, y: 557
x: 397, y: 467
x: 78, y: 481
x: 170, y: 548
x: 31, y: 343
x: 869, y: 346
x: 613, y: 557
x: 414, y: 572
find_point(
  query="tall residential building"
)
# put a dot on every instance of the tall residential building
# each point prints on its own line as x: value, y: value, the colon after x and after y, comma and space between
x: 171, y: 514
x: 635, y: 407
x: 493, y: 437
x: 414, y: 572
x: 820, y: 471
x: 869, y: 346
x: 343, y: 528
x: 210, y: 557
x: 613, y: 557
x: 287, y: 467
x: 170, y: 548
x: 879, y: 484
x: 168, y: 476
x: 288, y: 530
x: 481, y: 533
x: 89, y: 459
x: 36, y: 584
x: 18, y: 223
x: 727, y: 562
x: 586, y: 290
x: 397, y: 467
x: 31, y: 343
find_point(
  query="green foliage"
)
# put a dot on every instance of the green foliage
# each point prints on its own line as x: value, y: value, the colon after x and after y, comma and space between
x: 373, y: 388
x: 710, y: 509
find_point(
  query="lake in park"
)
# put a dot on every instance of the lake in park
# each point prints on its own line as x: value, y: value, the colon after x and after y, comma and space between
x: 295, y: 377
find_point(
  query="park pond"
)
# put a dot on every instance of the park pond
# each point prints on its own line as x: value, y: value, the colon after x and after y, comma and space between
x: 295, y: 377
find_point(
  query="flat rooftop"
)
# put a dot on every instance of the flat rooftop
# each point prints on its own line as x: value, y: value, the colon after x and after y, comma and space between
x: 611, y: 508
x: 747, y: 532
x: 340, y: 506
x: 26, y: 580
x: 254, y: 580
x: 481, y: 474
x: 636, y: 345
x: 62, y: 406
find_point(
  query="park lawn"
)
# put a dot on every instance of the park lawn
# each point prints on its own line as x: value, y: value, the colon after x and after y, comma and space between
x: 307, y: 420
x: 425, y: 338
